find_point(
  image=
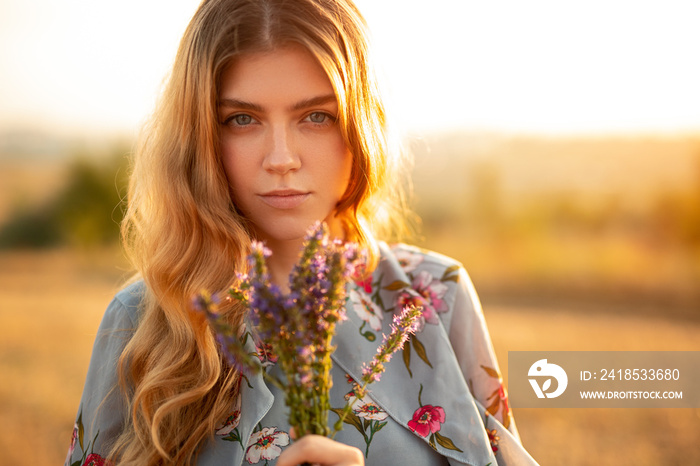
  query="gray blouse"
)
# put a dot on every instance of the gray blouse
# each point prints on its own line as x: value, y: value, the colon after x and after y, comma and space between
x: 440, y: 401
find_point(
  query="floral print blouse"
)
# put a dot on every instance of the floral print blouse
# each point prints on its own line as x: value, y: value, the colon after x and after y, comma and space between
x: 441, y: 400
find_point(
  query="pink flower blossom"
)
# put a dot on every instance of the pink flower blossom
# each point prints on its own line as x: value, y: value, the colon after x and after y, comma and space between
x: 504, y: 400
x: 427, y: 293
x: 265, y: 354
x: 427, y: 420
x: 430, y: 288
x: 365, y: 284
x: 408, y: 298
x: 73, y: 440
x: 94, y: 459
x: 266, y: 444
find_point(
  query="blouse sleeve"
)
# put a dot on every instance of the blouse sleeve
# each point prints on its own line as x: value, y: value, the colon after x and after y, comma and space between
x: 102, y: 410
x: 472, y: 345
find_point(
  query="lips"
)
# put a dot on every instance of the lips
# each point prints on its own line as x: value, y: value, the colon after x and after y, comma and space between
x: 284, y: 198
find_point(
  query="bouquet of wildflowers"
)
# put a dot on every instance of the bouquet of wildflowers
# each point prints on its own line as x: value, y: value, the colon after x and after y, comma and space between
x: 300, y: 325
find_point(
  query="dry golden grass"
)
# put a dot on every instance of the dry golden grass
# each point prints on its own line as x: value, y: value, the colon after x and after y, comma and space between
x: 588, y: 269
x: 599, y: 436
x: 51, y: 305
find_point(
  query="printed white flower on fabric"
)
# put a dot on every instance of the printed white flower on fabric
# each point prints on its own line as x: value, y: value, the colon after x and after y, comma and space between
x: 266, y: 445
x: 366, y: 408
x: 232, y: 420
x: 366, y: 309
x: 408, y: 260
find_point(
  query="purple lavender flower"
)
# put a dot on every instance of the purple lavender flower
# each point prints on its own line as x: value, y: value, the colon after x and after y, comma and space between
x: 298, y: 327
x: 405, y: 325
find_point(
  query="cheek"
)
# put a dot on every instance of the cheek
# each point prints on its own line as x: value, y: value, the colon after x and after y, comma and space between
x: 345, y: 172
x: 240, y: 159
x: 339, y: 166
x: 234, y: 169
x: 229, y: 169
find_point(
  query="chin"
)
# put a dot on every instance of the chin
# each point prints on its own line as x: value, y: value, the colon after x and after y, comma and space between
x: 295, y: 229
x: 284, y: 230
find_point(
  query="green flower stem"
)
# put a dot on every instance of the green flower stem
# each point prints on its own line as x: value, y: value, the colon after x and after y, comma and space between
x: 299, y: 327
x: 372, y: 426
x: 360, y: 392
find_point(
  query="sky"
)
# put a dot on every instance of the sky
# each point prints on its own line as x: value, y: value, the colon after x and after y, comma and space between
x: 537, y: 66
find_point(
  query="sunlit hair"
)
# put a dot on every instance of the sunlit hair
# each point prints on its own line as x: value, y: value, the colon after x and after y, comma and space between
x: 183, y: 233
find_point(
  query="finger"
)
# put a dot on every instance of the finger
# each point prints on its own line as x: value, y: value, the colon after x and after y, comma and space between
x: 321, y: 450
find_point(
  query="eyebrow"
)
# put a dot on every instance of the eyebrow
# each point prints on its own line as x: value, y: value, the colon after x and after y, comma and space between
x: 242, y: 104
x: 301, y: 105
x: 314, y: 101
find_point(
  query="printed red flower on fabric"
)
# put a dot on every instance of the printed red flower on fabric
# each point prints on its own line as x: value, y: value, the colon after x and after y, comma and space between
x: 493, y: 439
x: 504, y: 400
x: 94, y: 459
x: 365, y: 284
x: 427, y: 420
x: 408, y: 298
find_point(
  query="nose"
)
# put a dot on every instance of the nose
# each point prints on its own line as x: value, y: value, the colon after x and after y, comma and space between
x: 282, y: 156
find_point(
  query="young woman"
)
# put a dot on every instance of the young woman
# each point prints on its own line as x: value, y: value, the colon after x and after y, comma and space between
x: 271, y: 121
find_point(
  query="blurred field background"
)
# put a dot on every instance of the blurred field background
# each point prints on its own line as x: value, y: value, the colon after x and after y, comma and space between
x: 573, y: 243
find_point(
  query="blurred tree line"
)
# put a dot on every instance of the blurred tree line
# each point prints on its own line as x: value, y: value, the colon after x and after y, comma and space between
x: 543, y: 241
x: 89, y: 207
x: 85, y: 212
x: 666, y: 216
x: 630, y: 241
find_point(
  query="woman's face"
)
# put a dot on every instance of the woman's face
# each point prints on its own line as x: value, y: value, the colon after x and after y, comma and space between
x: 285, y: 159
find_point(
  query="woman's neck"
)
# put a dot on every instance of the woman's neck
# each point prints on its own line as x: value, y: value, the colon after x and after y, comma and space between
x: 285, y: 253
x: 280, y: 264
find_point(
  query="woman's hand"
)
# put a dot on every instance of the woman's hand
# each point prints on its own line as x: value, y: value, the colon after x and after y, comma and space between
x: 316, y: 449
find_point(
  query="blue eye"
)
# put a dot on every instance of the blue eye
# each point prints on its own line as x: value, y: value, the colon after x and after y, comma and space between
x: 320, y: 118
x: 242, y: 119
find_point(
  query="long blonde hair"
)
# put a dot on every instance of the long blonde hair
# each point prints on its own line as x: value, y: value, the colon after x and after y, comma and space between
x: 183, y: 233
